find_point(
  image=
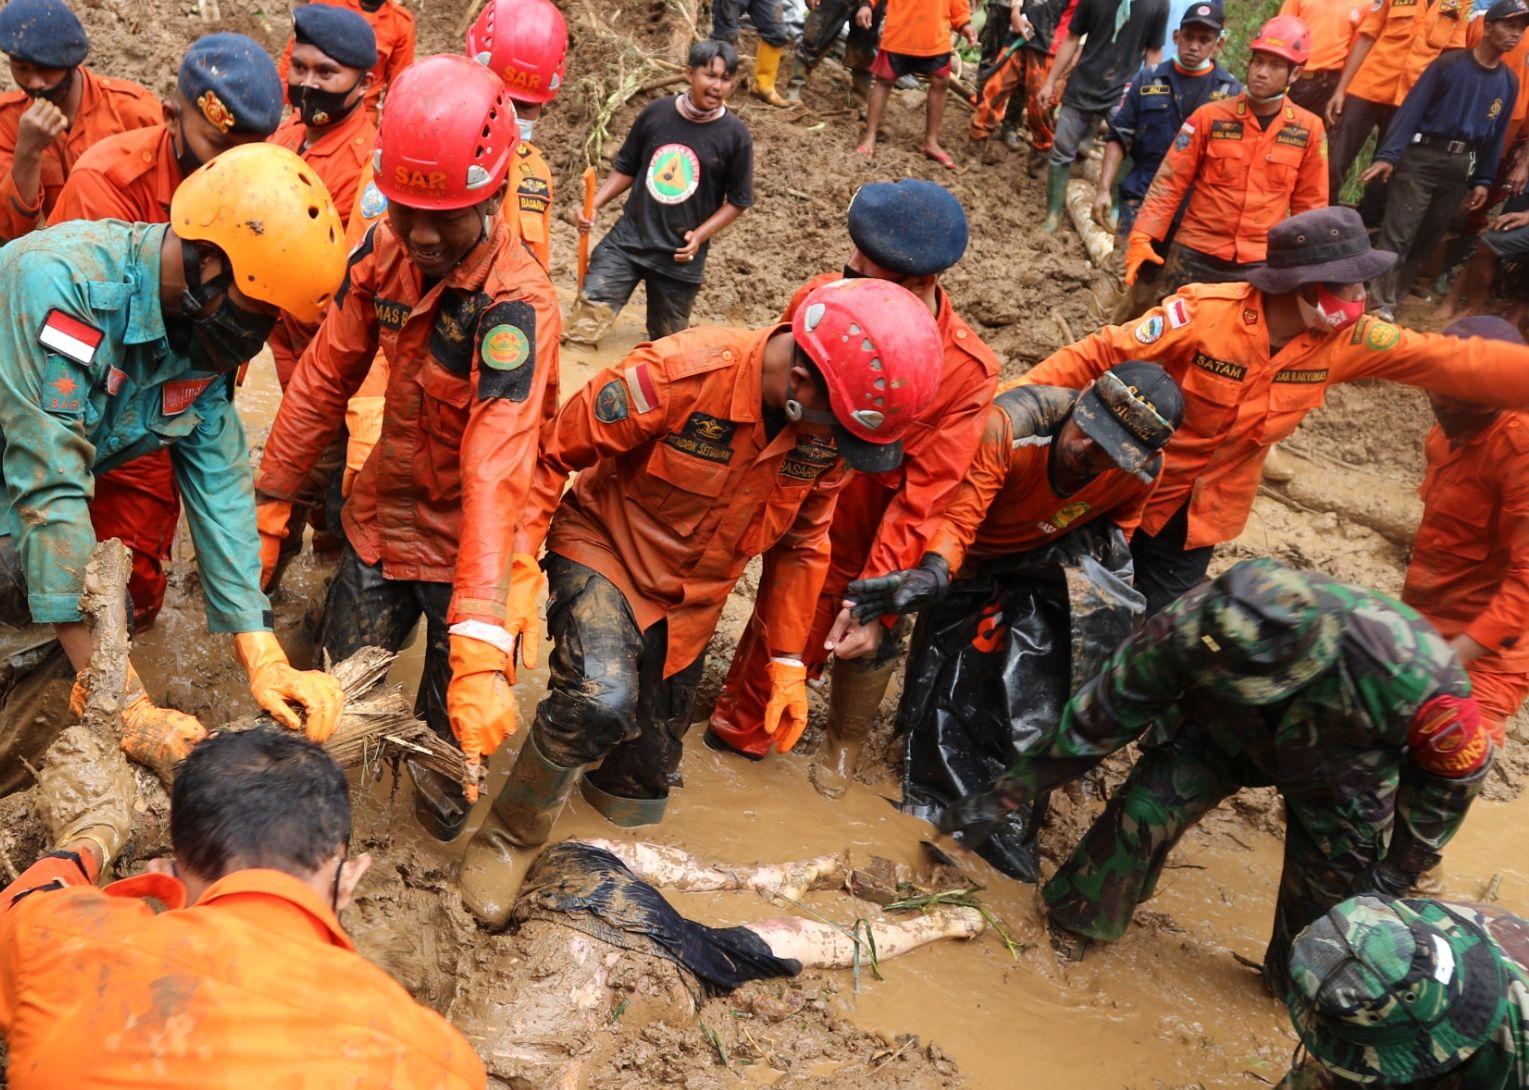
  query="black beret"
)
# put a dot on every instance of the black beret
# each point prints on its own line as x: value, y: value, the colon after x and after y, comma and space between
x: 42, y: 32
x: 913, y: 227
x: 342, y: 35
x: 231, y: 80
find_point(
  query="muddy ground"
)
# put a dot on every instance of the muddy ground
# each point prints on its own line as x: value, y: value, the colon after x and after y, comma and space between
x: 1167, y: 1007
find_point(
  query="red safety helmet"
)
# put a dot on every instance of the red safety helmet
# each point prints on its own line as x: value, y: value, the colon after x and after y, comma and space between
x: 524, y: 43
x: 879, y: 352
x: 447, y: 135
x: 1286, y: 37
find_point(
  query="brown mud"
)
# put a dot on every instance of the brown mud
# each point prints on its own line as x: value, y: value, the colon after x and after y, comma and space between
x: 1165, y: 1008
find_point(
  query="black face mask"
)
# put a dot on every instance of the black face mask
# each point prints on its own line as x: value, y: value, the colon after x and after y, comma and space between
x: 58, y: 92
x: 226, y: 339
x: 186, y: 159
x: 320, y: 107
x: 372, y: 6
x: 852, y: 274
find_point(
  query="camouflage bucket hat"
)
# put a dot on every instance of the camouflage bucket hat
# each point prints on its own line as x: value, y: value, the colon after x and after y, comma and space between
x: 1262, y: 632
x: 1394, y: 992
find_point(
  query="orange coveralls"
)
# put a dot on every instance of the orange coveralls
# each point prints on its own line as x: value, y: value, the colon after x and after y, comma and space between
x: 107, y: 106
x: 533, y: 200
x: 1243, y: 180
x: 131, y: 176
x: 1470, y: 559
x: 921, y: 28
x: 438, y: 500
x: 1239, y: 400
x: 1332, y: 26
x: 128, y: 987
x: 393, y: 26
x: 883, y: 522
x: 1409, y: 35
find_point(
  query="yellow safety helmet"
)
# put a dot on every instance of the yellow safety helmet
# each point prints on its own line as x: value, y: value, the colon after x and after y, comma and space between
x: 269, y: 212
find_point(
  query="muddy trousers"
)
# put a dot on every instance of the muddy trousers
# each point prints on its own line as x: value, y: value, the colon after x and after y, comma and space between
x: 1117, y: 864
x: 727, y: 15
x: 1022, y: 70
x: 613, y: 276
x: 607, y: 697
x: 826, y: 23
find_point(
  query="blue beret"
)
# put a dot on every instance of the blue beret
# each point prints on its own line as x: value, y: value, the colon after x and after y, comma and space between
x: 231, y: 80
x: 1486, y: 326
x: 42, y: 32
x: 913, y: 227
x: 344, y: 36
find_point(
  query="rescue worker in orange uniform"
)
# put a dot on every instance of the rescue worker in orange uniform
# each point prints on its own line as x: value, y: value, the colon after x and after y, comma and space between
x: 1026, y: 586
x: 1396, y: 40
x: 229, y: 952
x: 227, y: 94
x: 469, y: 324
x: 908, y: 232
x: 60, y: 110
x: 1333, y: 28
x: 1470, y: 559
x: 1243, y: 164
x: 1253, y: 359
x: 695, y: 454
x: 393, y: 28
x: 525, y: 43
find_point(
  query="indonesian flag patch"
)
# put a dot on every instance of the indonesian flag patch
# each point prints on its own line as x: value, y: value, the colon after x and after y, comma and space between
x: 1178, y: 314
x: 640, y: 382
x: 70, y: 337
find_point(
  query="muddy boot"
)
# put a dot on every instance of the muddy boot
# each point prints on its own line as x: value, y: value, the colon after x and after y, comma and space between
x: 1069, y: 946
x: 1278, y: 468
x: 766, y: 69
x: 1009, y: 135
x: 1056, y: 197
x: 588, y: 321
x: 510, y: 838
x: 627, y: 813
x: 439, y: 804
x: 852, y: 706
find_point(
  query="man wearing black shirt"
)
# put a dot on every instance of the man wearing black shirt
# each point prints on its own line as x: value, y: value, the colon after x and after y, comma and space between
x: 1119, y: 35
x: 696, y: 164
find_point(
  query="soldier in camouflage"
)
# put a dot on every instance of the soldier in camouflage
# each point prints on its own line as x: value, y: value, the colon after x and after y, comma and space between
x: 1411, y: 994
x: 1346, y: 700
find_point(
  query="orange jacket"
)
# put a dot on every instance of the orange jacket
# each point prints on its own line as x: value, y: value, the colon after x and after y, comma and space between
x: 107, y: 106
x: 254, y: 985
x: 1006, y: 504
x: 1333, y: 25
x: 393, y: 24
x: 1239, y: 401
x: 921, y: 28
x: 472, y: 360
x: 339, y: 157
x: 1470, y: 559
x: 884, y: 521
x: 130, y: 176
x: 533, y: 201
x: 1409, y: 35
x: 681, y: 485
x: 1245, y: 180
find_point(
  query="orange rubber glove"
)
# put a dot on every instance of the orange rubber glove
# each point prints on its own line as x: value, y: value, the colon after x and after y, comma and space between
x: 157, y: 738
x: 271, y: 519
x: 522, y: 612
x: 785, y: 715
x: 479, y: 703
x: 1139, y: 252
x: 276, y: 686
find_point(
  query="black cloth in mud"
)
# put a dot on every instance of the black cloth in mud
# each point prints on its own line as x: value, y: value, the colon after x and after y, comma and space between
x: 590, y: 890
x: 992, y: 665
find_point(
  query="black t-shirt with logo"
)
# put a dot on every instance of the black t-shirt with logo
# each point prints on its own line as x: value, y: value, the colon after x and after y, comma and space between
x: 1109, y: 60
x: 682, y: 171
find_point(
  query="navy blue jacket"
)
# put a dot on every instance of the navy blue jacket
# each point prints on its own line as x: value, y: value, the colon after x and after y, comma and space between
x: 1154, y: 105
x: 1457, y: 99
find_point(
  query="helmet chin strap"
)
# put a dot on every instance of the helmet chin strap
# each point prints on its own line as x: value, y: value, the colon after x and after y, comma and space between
x: 796, y: 412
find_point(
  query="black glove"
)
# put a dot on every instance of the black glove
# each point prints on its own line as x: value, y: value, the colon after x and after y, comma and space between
x: 972, y: 819
x: 906, y: 591
x: 1384, y: 879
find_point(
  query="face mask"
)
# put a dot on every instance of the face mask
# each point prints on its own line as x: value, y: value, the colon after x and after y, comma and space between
x: 1330, y: 313
x: 185, y: 158
x: 58, y: 92
x: 320, y: 107
x: 227, y: 338
x: 852, y: 274
x: 525, y: 127
x: 1203, y: 66
x: 373, y: 6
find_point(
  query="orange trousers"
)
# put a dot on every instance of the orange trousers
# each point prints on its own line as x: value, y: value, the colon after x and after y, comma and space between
x: 139, y: 503
x: 1025, y: 68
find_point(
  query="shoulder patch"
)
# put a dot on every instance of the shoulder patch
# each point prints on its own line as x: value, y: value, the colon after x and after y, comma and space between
x: 65, y: 388
x: 1186, y: 134
x: 640, y: 387
x: 1380, y: 336
x: 1150, y: 330
x: 611, y: 403
x: 507, y: 351
x: 1178, y: 313
x: 70, y: 337
x: 373, y: 203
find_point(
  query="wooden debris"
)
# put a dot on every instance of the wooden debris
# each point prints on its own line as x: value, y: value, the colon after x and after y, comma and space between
x: 1099, y: 243
x: 378, y: 722
x: 103, y: 603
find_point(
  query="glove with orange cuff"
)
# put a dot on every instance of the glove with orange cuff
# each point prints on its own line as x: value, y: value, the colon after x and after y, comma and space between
x: 276, y: 687
x: 271, y: 519
x: 522, y: 612
x: 157, y: 738
x: 1139, y: 252
x: 785, y: 715
x: 479, y: 700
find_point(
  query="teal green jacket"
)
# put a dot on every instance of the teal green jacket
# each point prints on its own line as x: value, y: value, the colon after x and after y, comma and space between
x: 89, y: 381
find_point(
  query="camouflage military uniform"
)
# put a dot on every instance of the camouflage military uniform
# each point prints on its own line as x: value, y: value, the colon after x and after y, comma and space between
x: 1411, y: 994
x: 1335, y: 748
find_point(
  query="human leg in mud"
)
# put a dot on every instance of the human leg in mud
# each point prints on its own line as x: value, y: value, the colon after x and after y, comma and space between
x: 607, y: 701
x: 1116, y: 865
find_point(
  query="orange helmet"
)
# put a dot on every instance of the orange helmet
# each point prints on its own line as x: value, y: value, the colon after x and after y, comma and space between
x: 272, y: 217
x: 1283, y: 36
x: 524, y: 43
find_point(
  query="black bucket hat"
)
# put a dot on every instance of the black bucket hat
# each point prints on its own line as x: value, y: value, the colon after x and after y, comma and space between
x: 1325, y: 245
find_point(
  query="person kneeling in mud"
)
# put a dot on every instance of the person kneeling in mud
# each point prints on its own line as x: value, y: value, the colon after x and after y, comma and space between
x: 1036, y: 535
x: 1347, y: 701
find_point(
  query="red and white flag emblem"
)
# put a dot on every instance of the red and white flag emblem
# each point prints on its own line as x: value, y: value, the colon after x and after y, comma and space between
x: 70, y: 337
x: 640, y: 382
x: 1178, y: 314
x: 180, y: 393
